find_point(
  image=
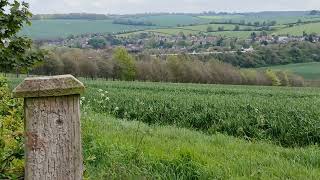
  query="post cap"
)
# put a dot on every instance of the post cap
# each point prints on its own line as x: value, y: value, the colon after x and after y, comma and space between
x: 48, y: 86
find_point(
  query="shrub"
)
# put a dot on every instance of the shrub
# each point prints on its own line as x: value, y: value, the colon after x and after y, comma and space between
x: 273, y: 77
x: 11, y: 134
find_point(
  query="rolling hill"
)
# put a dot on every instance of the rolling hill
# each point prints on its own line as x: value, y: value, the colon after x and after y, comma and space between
x: 310, y: 71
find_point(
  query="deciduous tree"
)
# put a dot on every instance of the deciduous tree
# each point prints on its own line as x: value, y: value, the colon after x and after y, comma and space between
x: 16, y: 52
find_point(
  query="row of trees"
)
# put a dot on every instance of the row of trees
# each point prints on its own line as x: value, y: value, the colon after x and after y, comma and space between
x: 182, y: 68
x: 133, y: 22
x: 86, y: 16
x: 236, y: 28
x: 243, y: 22
x: 274, y: 54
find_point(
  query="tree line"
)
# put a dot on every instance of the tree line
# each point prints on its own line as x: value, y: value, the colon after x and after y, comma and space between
x: 132, y: 22
x: 85, y: 16
x: 178, y: 69
x: 274, y: 54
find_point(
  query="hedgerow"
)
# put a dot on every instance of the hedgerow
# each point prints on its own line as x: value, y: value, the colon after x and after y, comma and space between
x: 11, y: 134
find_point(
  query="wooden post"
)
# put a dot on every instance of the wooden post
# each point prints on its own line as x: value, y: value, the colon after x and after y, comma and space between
x: 52, y: 127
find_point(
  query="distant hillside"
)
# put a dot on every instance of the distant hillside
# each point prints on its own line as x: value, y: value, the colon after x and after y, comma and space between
x: 52, y: 26
x: 53, y: 29
x: 83, y: 16
x: 310, y: 71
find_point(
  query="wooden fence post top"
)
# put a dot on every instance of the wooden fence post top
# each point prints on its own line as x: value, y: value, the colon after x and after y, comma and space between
x: 48, y: 86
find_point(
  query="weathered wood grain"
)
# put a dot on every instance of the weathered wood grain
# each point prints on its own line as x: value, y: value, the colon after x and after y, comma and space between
x: 53, y: 148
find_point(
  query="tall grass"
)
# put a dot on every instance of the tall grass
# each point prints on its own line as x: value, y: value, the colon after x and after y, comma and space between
x: 285, y: 116
x: 119, y: 149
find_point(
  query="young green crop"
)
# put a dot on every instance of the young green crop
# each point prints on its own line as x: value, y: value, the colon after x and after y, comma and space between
x: 117, y: 149
x: 286, y: 116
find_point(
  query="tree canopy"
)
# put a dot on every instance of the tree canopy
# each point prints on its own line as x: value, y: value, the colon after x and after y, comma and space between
x: 16, y: 52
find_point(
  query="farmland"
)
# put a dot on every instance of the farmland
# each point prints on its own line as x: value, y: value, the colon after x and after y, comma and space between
x: 228, y: 31
x: 309, y: 71
x: 170, y: 24
x: 260, y: 17
x: 59, y: 28
x: 118, y: 149
x: 50, y: 29
x: 299, y: 29
x: 163, y: 130
x: 257, y: 113
x: 172, y: 20
x: 148, y: 136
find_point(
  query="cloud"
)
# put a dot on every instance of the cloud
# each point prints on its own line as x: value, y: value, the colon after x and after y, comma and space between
x: 140, y: 6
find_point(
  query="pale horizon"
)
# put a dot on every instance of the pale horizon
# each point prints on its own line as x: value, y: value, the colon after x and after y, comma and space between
x: 167, y: 6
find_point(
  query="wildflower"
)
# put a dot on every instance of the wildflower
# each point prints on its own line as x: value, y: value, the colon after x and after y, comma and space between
x: 116, y: 108
x: 107, y: 98
x: 100, y: 90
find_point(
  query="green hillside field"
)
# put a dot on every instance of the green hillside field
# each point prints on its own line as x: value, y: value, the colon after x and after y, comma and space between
x: 172, y: 20
x: 309, y: 71
x: 49, y: 29
x: 281, y: 19
x: 167, y: 24
x: 199, y: 28
x: 299, y: 29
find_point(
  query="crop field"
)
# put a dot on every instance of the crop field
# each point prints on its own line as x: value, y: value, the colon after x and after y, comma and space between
x: 195, y: 131
x: 166, y: 24
x: 215, y: 27
x: 256, y: 113
x: 173, y: 31
x: 197, y: 29
x: 299, y: 29
x: 172, y: 20
x: 49, y: 29
x: 281, y: 19
x: 119, y: 149
x: 234, y: 34
x: 310, y: 71
x: 185, y: 131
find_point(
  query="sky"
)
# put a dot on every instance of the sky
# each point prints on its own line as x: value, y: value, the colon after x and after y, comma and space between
x: 190, y: 6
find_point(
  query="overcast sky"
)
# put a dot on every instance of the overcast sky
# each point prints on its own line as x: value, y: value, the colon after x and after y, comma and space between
x: 141, y: 6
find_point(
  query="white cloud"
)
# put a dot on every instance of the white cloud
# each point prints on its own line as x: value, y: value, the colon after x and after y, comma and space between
x: 140, y: 6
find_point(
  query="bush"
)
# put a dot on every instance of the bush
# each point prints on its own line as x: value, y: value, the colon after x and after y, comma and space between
x: 273, y: 77
x: 11, y: 134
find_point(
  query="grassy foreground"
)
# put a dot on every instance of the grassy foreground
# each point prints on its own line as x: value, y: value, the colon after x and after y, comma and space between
x: 286, y: 116
x: 119, y: 149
